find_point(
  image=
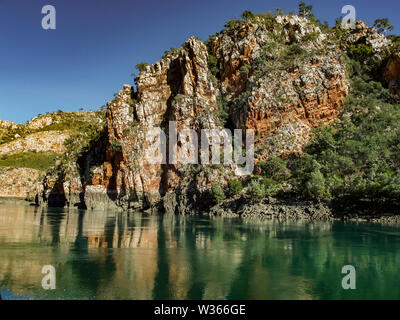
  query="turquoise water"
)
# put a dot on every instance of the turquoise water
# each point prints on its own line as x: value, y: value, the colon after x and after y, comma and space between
x: 110, y: 255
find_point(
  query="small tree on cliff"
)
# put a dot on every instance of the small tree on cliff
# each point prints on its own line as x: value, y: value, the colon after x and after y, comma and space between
x: 142, y: 66
x: 383, y: 25
x: 304, y: 9
x: 315, y: 186
x: 248, y: 15
x: 218, y: 193
x: 306, y: 12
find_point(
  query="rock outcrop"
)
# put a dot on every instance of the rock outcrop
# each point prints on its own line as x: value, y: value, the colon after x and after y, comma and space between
x: 362, y: 34
x: 19, y: 182
x: 392, y: 73
x: 179, y: 88
x: 46, y: 134
x: 41, y: 141
x: 280, y: 80
x: 281, y: 100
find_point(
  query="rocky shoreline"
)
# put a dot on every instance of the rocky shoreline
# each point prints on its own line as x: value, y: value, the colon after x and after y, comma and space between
x: 302, y: 210
x: 277, y: 210
x: 282, y: 210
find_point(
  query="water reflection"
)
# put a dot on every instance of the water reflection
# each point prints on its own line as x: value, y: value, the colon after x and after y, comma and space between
x: 109, y: 255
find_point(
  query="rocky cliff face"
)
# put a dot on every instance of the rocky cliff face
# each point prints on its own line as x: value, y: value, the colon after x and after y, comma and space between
x: 292, y: 86
x: 40, y: 141
x: 279, y: 88
x: 178, y: 88
x: 392, y: 73
x: 19, y: 182
x: 24, y: 148
x: 279, y: 76
x: 362, y: 34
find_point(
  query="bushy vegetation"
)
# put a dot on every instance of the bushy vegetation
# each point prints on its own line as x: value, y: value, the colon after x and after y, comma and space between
x: 8, y: 134
x: 142, y: 66
x: 235, y: 187
x: 60, y: 121
x: 312, y: 36
x: 218, y: 193
x: 115, y: 146
x: 245, y: 69
x: 35, y: 160
x: 383, y: 25
x: 360, y: 52
x: 213, y: 65
x: 354, y: 159
x: 257, y: 189
x: 241, y: 101
x: 275, y: 168
x: 80, y: 141
x: 358, y: 157
x: 222, y: 110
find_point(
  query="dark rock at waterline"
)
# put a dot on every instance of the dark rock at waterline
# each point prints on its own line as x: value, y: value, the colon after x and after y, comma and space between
x: 282, y: 210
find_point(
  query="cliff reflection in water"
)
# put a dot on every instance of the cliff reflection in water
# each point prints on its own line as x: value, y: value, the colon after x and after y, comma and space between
x: 109, y: 255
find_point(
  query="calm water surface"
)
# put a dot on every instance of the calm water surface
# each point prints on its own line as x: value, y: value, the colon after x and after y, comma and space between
x: 110, y: 255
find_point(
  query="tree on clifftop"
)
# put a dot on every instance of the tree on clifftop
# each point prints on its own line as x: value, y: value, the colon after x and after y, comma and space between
x: 142, y: 66
x: 383, y: 25
x: 305, y: 10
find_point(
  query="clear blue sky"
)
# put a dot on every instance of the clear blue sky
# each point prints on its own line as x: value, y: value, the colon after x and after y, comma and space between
x: 97, y: 43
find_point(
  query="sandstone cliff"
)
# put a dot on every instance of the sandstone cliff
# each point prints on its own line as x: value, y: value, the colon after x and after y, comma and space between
x: 268, y: 79
x: 392, y: 73
x: 280, y: 76
x: 27, y: 151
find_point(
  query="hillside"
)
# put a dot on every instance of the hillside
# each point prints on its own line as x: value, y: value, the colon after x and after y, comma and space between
x: 323, y: 103
x: 28, y: 151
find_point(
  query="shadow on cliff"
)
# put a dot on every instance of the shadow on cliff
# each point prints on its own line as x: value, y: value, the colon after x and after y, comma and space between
x: 174, y: 81
x: 94, y: 156
x: 57, y: 196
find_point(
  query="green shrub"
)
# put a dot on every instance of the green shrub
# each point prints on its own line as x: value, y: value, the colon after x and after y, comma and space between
x: 268, y: 20
x: 293, y: 51
x: 142, y: 66
x: 241, y: 101
x: 256, y: 189
x: 209, y: 43
x: 115, y: 146
x: 269, y: 47
x: 275, y: 168
x: 235, y: 187
x: 314, y: 186
x: 312, y: 36
x: 218, y: 194
x: 360, y: 52
x: 213, y: 65
x: 232, y: 24
x: 383, y: 25
x: 245, y: 69
x: 222, y: 110
x: 248, y: 16
x: 271, y: 187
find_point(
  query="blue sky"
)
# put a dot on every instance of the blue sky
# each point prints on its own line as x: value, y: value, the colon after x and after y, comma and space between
x: 97, y: 43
